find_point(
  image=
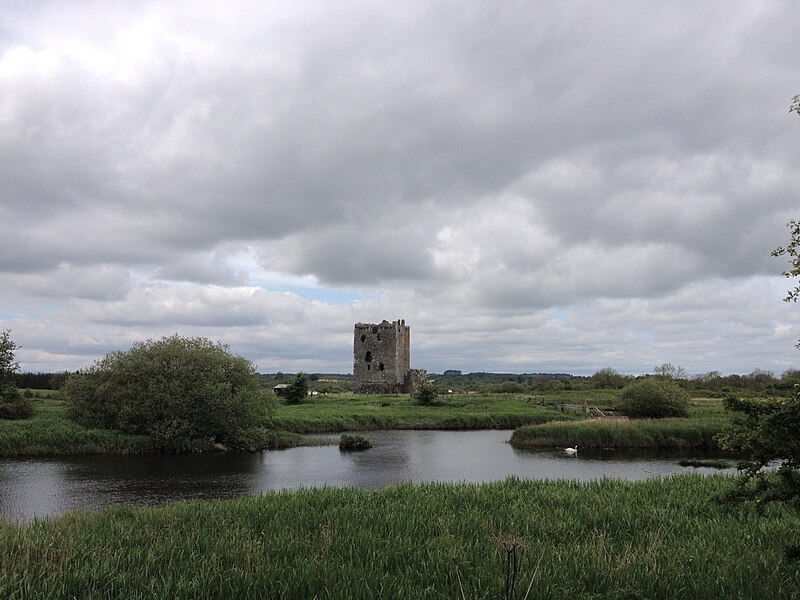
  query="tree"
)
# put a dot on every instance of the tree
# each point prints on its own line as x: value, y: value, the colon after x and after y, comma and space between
x: 426, y: 393
x: 186, y: 393
x: 607, y: 378
x: 669, y: 371
x: 296, y: 392
x: 792, y: 250
x: 12, y: 404
x: 768, y: 430
x: 654, y: 398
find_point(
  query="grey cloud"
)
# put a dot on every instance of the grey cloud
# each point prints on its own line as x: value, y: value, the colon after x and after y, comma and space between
x: 369, y: 251
x: 477, y: 163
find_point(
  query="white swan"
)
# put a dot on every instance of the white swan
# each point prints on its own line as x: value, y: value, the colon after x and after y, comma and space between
x: 572, y: 451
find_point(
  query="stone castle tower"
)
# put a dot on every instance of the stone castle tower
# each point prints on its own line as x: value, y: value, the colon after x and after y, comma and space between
x: 382, y: 359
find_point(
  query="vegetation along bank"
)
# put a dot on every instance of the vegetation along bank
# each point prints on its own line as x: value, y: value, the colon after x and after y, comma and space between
x: 562, y: 540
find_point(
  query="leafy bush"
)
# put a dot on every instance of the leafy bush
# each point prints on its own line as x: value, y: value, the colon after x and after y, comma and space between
x: 184, y: 392
x: 12, y: 403
x: 654, y: 398
x: 509, y: 387
x: 354, y: 442
x: 426, y: 393
x: 297, y: 390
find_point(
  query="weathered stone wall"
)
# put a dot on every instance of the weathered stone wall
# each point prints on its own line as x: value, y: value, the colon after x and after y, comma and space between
x: 381, y: 358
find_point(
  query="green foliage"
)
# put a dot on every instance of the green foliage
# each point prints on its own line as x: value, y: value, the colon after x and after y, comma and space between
x: 509, y: 387
x: 661, y: 538
x: 654, y: 398
x: 183, y: 392
x: 607, y: 378
x: 49, y: 431
x: 354, y: 442
x: 768, y: 430
x: 792, y: 251
x: 426, y: 393
x: 297, y: 391
x: 13, y: 405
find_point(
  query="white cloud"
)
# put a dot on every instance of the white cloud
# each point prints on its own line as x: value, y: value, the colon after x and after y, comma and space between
x: 560, y: 187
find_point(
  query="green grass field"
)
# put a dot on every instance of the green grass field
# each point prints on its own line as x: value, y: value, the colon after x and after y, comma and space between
x: 348, y: 412
x: 50, y: 431
x: 660, y: 539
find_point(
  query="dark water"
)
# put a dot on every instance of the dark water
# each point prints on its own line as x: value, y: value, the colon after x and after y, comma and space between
x: 49, y: 486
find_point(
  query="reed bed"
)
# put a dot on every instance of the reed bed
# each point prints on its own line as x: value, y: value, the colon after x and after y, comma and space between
x: 664, y: 538
x: 707, y: 418
x: 622, y: 433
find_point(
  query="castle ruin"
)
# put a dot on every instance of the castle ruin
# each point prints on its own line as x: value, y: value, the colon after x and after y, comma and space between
x: 382, y: 359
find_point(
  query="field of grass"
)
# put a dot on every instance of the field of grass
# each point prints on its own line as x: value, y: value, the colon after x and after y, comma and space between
x: 707, y: 419
x: 608, y: 539
x: 49, y: 431
x: 348, y: 412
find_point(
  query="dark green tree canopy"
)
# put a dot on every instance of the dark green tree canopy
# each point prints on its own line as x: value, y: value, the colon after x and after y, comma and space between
x: 654, y: 398
x: 184, y: 392
x: 12, y: 404
x: 296, y: 391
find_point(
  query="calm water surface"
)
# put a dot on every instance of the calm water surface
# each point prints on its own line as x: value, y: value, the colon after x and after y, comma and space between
x: 40, y: 487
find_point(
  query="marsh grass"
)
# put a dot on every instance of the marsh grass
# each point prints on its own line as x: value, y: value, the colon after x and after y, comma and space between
x: 707, y: 419
x: 664, y: 538
x: 49, y: 431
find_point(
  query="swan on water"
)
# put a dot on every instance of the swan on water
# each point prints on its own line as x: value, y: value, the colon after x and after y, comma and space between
x: 572, y: 451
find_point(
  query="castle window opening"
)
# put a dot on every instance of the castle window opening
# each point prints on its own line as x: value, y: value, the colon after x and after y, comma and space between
x: 374, y: 329
x: 363, y: 337
x: 380, y: 366
x: 368, y: 357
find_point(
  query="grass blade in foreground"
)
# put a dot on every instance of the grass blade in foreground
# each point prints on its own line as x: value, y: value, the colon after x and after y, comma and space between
x: 607, y: 539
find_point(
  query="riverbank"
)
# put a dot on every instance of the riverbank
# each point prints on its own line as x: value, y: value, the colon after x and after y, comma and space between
x: 707, y: 419
x: 537, y: 424
x: 51, y: 432
x: 664, y: 538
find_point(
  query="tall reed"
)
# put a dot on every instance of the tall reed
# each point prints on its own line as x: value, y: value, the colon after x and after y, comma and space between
x: 663, y: 538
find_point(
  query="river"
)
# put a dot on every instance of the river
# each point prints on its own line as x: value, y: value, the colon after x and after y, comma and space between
x: 42, y: 487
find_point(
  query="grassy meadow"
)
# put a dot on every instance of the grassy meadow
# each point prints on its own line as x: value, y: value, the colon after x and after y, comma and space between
x: 663, y: 538
x: 353, y: 412
x: 540, y: 424
x: 49, y: 431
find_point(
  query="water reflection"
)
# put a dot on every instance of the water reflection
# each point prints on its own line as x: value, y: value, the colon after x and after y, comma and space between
x: 50, y: 486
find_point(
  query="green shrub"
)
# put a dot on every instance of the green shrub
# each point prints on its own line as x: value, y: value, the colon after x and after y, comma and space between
x: 296, y: 392
x: 184, y: 392
x: 14, y: 405
x: 509, y: 387
x: 654, y: 398
x: 426, y: 393
x: 354, y: 442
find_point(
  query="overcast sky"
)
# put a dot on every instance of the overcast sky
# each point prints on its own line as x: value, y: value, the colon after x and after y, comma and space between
x: 532, y: 186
